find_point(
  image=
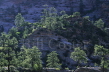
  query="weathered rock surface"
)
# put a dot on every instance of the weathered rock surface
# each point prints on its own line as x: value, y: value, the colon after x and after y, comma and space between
x: 88, y: 69
x: 54, y: 70
x: 31, y: 9
x: 48, y: 41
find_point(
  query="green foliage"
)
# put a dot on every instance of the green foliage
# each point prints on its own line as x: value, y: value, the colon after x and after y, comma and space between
x: 78, y: 55
x: 52, y: 60
x: 101, y: 52
x: 25, y: 33
x: 37, y: 67
x: 67, y: 68
x: 57, y: 68
x: 2, y: 69
x: 13, y: 43
x: 104, y: 63
x: 99, y: 23
x: 2, y: 59
x: 3, y: 39
x: 51, y: 20
x: 13, y: 32
x: 77, y: 14
x: 31, y: 58
x: 34, y: 55
x: 19, y: 20
x: 23, y: 59
x: 86, y: 17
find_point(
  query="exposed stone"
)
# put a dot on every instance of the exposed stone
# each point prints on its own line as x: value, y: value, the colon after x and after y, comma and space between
x: 88, y: 69
x: 54, y: 70
x: 31, y: 9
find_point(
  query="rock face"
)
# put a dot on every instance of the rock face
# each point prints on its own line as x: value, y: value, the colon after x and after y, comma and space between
x: 48, y: 41
x: 31, y: 9
x: 88, y: 69
x: 54, y: 70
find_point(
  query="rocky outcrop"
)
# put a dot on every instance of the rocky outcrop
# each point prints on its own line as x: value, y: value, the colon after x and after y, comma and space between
x: 48, y: 41
x: 88, y: 69
x: 31, y: 9
x: 54, y: 70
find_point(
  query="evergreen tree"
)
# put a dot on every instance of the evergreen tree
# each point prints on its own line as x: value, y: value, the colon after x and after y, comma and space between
x: 19, y: 20
x: 76, y: 14
x: 25, y: 33
x: 99, y: 23
x: 35, y: 57
x: 51, y: 20
x: 3, y: 39
x: 78, y: 55
x: 2, y: 59
x: 23, y: 59
x: 102, y: 52
x: 9, y: 53
x: 52, y: 60
x: 14, y: 32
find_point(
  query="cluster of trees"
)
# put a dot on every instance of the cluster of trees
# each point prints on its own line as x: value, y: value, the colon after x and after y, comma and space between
x: 12, y: 54
x: 80, y: 56
x: 25, y: 58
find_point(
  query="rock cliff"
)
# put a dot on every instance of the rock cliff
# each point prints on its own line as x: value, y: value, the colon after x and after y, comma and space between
x: 31, y: 9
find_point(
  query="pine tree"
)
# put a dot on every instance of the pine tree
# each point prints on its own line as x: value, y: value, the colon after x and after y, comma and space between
x: 25, y: 33
x: 14, y: 32
x: 76, y: 14
x: 102, y: 52
x: 50, y: 19
x: 35, y: 57
x: 19, y: 20
x: 2, y: 59
x: 78, y: 55
x: 3, y: 39
x: 9, y: 53
x: 99, y: 23
x: 23, y: 59
x: 52, y: 60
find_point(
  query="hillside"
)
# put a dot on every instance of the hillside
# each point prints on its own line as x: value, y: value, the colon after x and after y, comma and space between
x: 54, y: 36
x: 31, y: 9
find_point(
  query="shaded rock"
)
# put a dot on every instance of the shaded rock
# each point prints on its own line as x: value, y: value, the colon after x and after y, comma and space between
x: 54, y: 70
x: 88, y: 69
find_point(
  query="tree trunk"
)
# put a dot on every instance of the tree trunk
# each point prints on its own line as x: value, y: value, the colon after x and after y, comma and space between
x: 8, y: 61
x: 78, y: 63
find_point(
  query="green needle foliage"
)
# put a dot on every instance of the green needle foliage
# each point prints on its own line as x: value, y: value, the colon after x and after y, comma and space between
x: 2, y: 59
x: 102, y: 52
x: 51, y: 20
x: 13, y: 32
x: 35, y: 57
x: 52, y: 60
x: 19, y: 20
x: 78, y: 55
x: 99, y: 23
